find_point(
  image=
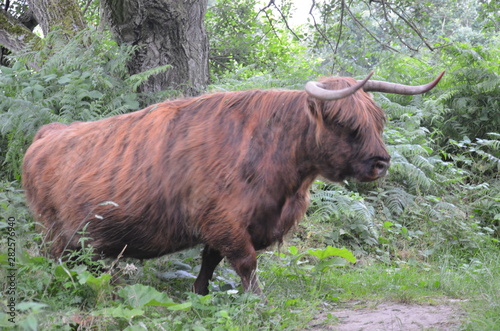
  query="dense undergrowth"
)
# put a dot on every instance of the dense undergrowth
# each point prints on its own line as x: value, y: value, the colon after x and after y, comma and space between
x: 429, y: 230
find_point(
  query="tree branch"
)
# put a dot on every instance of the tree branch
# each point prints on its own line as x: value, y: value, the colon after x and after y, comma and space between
x: 272, y: 3
x: 318, y: 29
x: 27, y: 18
x: 341, y: 26
x: 89, y: 2
x: 412, y: 26
x: 270, y: 21
x: 285, y: 20
x: 368, y: 31
x: 14, y: 35
x: 388, y: 20
x: 65, y: 14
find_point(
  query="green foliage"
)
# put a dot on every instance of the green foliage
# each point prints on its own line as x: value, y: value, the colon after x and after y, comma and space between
x: 470, y: 106
x: 90, y: 10
x: 81, y: 80
x: 354, y: 36
x: 419, y: 195
x: 348, y: 214
x: 481, y: 160
x: 245, y: 43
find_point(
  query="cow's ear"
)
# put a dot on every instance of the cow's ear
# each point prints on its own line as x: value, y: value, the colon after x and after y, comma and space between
x: 315, y: 113
x: 314, y: 110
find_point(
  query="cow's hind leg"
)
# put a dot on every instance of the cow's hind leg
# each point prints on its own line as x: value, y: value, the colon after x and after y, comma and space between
x: 210, y: 259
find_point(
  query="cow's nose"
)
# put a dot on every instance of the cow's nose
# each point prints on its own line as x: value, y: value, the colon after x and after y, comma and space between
x: 380, y: 167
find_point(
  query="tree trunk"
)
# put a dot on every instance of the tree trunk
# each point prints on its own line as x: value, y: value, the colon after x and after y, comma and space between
x: 167, y: 32
x: 65, y: 14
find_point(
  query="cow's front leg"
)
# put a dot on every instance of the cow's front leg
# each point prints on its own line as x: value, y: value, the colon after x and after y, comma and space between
x: 244, y: 262
x: 235, y: 244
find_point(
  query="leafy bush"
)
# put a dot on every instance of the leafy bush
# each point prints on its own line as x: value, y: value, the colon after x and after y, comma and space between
x: 426, y: 185
x: 481, y: 161
x: 470, y: 103
x: 348, y: 214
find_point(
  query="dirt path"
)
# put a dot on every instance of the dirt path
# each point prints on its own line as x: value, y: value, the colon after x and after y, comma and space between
x: 389, y: 316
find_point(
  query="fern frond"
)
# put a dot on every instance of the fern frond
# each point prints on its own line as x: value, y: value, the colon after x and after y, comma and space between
x: 415, y: 178
x: 408, y: 150
x: 422, y: 163
x: 450, y: 209
x: 397, y: 200
x: 350, y: 213
x: 395, y: 110
x: 136, y: 80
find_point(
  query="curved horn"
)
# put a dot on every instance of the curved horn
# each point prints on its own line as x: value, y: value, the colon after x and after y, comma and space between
x: 379, y: 86
x: 317, y: 90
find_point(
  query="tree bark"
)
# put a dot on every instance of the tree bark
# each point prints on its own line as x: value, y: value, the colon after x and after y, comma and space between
x: 65, y: 14
x: 166, y: 32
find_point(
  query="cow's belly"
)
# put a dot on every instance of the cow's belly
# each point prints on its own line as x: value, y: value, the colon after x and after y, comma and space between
x: 142, y: 240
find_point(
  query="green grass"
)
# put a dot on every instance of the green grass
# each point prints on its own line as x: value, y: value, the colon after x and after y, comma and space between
x: 476, y: 280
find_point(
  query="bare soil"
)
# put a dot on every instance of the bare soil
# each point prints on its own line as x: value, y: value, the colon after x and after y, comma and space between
x: 390, y: 316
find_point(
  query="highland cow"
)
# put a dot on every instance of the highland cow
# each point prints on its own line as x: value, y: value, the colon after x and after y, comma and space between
x: 229, y: 170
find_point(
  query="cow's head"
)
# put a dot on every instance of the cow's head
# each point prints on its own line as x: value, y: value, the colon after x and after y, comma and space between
x: 350, y: 124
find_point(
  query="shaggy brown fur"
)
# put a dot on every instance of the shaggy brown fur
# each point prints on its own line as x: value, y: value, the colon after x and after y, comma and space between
x: 230, y: 170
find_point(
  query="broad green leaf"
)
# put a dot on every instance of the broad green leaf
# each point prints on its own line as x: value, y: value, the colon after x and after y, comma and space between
x: 86, y: 277
x: 95, y: 94
x: 327, y: 264
x: 65, y: 79
x: 120, y: 312
x: 63, y: 272
x: 167, y: 302
x: 387, y: 225
x: 34, y: 306
x: 181, y: 306
x: 332, y: 251
x: 139, y: 295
